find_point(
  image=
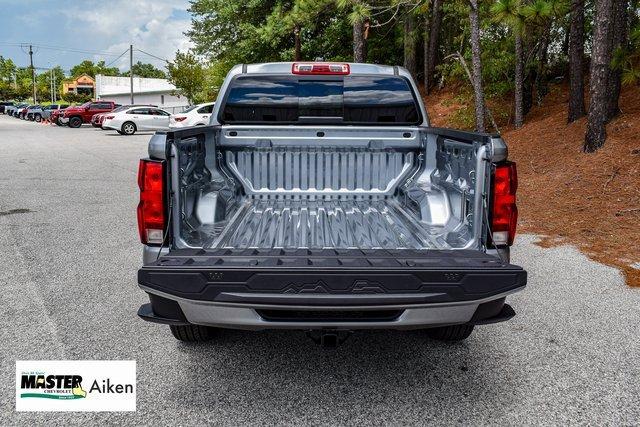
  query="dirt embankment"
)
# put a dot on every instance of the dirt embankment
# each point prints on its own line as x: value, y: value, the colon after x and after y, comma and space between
x: 589, y: 200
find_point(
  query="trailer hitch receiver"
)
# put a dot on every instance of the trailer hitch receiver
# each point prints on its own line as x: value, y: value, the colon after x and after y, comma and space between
x: 329, y: 338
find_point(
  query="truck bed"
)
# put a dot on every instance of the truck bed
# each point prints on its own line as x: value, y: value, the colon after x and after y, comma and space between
x: 342, y: 224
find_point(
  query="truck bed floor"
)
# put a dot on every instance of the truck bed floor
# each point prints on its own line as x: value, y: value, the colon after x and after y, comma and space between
x: 371, y: 224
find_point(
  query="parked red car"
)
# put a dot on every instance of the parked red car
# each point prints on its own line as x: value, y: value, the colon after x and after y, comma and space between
x: 55, y: 117
x: 97, y: 119
x: 76, y: 116
x: 23, y: 113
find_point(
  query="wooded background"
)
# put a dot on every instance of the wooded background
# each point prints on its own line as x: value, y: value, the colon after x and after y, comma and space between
x: 504, y: 49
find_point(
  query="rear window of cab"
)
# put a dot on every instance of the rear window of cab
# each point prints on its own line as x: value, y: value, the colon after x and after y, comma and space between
x: 353, y: 99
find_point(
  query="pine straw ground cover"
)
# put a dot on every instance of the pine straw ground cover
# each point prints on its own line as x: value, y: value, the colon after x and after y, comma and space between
x: 588, y: 200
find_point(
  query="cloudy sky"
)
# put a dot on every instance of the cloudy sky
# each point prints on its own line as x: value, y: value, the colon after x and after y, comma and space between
x: 69, y: 31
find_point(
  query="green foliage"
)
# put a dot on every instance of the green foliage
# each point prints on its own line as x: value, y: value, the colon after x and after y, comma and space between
x: 239, y: 31
x: 508, y: 12
x: 146, y: 70
x: 627, y: 59
x: 44, y: 81
x: 77, y: 98
x: 538, y: 11
x: 91, y: 69
x: 7, y: 69
x: 188, y: 75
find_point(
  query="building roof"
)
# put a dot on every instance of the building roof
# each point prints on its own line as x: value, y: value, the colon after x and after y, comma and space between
x: 81, y: 80
x: 110, y: 85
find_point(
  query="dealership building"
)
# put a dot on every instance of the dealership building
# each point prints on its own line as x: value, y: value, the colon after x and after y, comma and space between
x: 157, y: 92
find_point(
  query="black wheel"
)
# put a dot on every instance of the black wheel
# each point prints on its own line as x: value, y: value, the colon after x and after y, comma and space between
x: 192, y: 333
x: 58, y: 122
x: 75, y: 122
x: 30, y: 118
x: 450, y: 333
x: 38, y: 118
x: 128, y: 128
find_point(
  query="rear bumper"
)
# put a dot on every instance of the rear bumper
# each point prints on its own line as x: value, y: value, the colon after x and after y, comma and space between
x: 357, y: 290
x: 178, y: 125
x: 111, y: 125
x: 259, y: 317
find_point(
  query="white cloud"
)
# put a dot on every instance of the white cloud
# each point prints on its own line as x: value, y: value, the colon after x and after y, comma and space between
x: 150, y: 25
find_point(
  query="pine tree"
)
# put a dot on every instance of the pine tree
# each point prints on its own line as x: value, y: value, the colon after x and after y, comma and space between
x: 599, y: 76
x: 576, y: 61
x: 476, y: 64
x: 508, y: 12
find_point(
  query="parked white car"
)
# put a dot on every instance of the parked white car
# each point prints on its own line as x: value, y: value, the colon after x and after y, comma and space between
x: 196, y: 115
x: 131, y: 120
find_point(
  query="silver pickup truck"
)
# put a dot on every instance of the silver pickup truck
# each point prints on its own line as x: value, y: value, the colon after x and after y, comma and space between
x: 320, y: 199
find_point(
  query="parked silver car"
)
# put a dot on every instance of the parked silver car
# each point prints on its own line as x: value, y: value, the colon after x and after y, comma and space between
x: 16, y: 109
x: 46, y: 111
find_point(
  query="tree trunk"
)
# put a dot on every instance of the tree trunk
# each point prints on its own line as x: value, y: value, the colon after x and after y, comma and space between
x: 434, y: 38
x: 470, y: 77
x: 298, y: 47
x: 476, y: 64
x: 619, y: 40
x: 596, y: 134
x: 425, y: 54
x: 541, y: 74
x: 359, y: 42
x: 519, y: 81
x: 576, y: 61
x: 410, y: 43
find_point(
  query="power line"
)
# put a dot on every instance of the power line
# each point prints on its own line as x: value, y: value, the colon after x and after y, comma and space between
x: 42, y: 68
x: 121, y: 55
x: 77, y: 50
x: 154, y: 56
x: 60, y: 48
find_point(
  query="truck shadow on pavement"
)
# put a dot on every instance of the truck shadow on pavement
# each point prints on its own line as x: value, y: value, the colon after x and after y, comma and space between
x: 285, y: 373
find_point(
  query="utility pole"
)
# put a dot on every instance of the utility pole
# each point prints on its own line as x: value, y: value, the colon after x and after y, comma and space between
x: 33, y: 73
x: 55, y: 94
x: 131, y: 70
x: 51, y: 83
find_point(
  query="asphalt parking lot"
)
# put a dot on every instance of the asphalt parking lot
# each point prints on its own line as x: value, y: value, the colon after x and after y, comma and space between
x: 70, y: 252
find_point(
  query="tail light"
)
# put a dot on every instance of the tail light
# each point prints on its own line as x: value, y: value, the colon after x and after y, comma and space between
x: 180, y: 119
x: 319, y: 68
x: 151, y: 213
x: 108, y: 117
x: 504, y: 214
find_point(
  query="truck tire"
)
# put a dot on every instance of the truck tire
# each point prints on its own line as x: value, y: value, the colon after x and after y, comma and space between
x: 129, y: 128
x: 75, y: 122
x: 450, y: 333
x: 191, y: 333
